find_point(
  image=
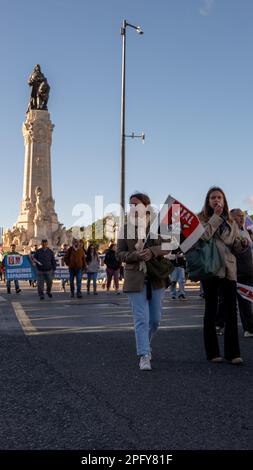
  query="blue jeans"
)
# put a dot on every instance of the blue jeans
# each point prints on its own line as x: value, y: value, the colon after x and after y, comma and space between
x: 75, y: 273
x: 16, y: 283
x: 93, y: 277
x: 178, y: 275
x: 147, y: 317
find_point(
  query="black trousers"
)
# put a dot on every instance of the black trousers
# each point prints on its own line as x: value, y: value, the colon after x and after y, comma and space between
x: 231, y: 341
x: 220, y: 315
x: 245, y: 310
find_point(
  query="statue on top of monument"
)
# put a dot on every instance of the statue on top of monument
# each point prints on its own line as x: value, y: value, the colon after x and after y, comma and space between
x: 40, y: 89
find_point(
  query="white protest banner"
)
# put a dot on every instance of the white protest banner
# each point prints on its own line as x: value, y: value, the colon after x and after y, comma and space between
x: 62, y: 270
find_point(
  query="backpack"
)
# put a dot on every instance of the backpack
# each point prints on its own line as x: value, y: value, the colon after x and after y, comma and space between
x: 111, y: 260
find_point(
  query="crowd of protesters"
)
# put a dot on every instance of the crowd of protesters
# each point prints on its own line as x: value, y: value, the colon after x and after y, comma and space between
x: 146, y: 289
x: 81, y: 263
x: 145, y: 282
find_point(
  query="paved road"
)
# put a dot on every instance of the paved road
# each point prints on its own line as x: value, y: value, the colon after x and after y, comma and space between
x: 70, y: 378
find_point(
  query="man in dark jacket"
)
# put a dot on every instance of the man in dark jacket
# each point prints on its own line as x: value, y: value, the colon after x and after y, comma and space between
x: 46, y: 265
x: 112, y: 268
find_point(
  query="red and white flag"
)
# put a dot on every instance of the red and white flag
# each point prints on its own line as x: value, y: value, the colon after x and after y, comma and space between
x: 245, y: 291
x: 178, y: 222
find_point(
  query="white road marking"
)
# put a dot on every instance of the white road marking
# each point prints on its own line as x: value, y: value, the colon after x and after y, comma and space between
x: 2, y: 299
x: 23, y: 319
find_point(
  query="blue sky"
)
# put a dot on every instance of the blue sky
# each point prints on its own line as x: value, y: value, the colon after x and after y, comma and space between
x: 189, y: 88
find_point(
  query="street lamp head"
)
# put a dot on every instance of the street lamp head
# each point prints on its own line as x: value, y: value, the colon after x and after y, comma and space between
x: 139, y: 30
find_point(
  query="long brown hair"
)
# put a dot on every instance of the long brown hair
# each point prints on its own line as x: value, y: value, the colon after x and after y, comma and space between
x: 143, y: 198
x: 207, y: 211
x: 88, y: 255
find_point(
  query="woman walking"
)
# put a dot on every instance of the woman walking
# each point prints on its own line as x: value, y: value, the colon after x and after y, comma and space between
x: 112, y: 268
x: 218, y: 224
x: 92, y: 268
x: 145, y: 295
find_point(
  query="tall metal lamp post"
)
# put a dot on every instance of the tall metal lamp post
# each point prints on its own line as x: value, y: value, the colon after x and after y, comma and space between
x: 123, y: 108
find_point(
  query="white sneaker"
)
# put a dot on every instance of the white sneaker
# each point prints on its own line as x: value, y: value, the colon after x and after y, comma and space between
x: 145, y: 362
x: 236, y: 361
x: 247, y: 334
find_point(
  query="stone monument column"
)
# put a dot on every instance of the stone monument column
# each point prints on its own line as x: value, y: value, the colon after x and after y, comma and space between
x: 37, y: 218
x: 37, y: 132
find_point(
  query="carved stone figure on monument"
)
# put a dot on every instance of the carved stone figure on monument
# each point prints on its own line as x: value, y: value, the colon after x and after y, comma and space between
x: 39, y: 205
x: 23, y: 236
x: 40, y: 228
x: 40, y: 89
x: 7, y: 238
x: 43, y: 95
x: 16, y: 235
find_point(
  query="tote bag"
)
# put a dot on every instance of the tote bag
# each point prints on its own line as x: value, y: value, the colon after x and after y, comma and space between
x: 159, y: 268
x: 203, y: 260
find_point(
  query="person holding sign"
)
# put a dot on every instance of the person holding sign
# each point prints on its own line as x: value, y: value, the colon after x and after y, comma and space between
x: 46, y: 266
x: 8, y: 283
x: 144, y: 294
x: 244, y: 263
x: 76, y: 262
x: 220, y: 226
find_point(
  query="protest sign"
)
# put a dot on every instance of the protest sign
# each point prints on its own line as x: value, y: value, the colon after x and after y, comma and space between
x: 19, y: 267
x: 178, y: 225
x: 62, y: 270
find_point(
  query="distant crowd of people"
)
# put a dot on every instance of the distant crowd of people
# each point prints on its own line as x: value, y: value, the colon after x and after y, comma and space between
x: 79, y: 261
